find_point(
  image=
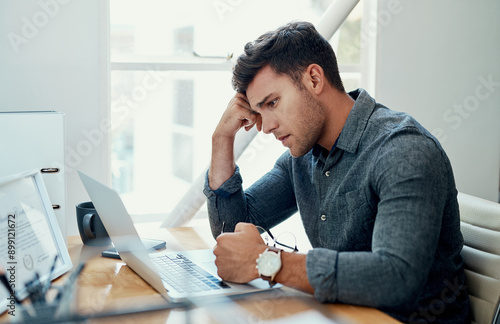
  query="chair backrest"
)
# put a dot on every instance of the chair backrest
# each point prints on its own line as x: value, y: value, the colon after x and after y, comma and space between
x: 480, y: 225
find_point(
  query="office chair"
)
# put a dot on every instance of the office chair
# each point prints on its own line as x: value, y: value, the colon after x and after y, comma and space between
x: 480, y: 225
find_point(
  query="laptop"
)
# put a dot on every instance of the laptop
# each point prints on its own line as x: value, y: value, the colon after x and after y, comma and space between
x: 177, y: 276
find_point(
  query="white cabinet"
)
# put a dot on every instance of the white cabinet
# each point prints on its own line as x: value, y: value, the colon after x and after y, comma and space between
x: 35, y: 140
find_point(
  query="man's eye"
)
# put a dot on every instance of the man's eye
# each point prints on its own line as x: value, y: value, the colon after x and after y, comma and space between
x: 272, y: 103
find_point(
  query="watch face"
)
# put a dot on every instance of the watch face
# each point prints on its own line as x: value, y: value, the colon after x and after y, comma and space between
x: 269, y: 263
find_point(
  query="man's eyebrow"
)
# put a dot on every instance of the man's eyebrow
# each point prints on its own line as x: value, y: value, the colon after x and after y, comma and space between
x: 260, y: 104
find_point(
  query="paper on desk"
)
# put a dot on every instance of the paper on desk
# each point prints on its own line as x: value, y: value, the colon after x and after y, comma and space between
x: 310, y: 316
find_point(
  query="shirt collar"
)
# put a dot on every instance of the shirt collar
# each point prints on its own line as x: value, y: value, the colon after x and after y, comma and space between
x: 319, y: 150
x: 356, y: 121
x: 355, y: 124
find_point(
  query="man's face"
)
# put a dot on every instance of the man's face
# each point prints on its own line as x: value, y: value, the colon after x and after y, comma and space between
x: 291, y: 114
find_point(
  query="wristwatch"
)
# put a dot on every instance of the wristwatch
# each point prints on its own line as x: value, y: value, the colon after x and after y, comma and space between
x: 269, y: 264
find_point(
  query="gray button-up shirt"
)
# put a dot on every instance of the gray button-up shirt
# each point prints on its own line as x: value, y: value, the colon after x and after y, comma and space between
x: 379, y: 209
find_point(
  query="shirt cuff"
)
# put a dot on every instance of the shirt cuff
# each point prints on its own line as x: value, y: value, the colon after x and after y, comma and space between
x: 321, y: 265
x: 228, y: 188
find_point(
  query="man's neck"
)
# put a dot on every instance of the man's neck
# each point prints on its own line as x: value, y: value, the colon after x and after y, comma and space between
x: 337, y: 105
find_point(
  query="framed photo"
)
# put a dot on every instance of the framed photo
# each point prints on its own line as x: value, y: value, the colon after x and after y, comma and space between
x: 30, y: 237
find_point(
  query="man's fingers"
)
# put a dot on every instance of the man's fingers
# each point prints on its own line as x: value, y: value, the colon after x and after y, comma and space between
x: 241, y: 101
x: 241, y: 104
x: 249, y: 229
x: 259, y: 124
x: 242, y: 96
x: 249, y: 124
x: 255, y: 120
x: 242, y: 226
x: 239, y: 114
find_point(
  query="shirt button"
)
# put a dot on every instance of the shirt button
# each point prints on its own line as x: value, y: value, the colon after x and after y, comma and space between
x: 323, y: 218
x: 327, y: 173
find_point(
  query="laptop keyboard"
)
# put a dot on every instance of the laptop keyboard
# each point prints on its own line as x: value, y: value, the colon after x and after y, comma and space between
x: 185, y: 276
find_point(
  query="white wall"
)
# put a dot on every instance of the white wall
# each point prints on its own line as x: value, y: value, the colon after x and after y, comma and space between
x: 52, y: 58
x: 440, y: 61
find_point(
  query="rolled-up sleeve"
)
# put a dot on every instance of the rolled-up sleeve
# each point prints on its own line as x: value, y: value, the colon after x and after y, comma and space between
x: 321, y: 267
x: 228, y: 188
x: 225, y: 203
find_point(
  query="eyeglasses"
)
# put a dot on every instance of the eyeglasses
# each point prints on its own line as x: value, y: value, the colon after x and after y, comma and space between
x: 292, y: 247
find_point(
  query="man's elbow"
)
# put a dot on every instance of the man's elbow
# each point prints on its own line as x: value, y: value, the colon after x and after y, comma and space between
x: 399, y: 294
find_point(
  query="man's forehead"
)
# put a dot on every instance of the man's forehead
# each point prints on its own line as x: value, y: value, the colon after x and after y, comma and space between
x: 264, y: 83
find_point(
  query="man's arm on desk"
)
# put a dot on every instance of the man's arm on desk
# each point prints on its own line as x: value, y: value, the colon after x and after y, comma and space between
x: 243, y: 247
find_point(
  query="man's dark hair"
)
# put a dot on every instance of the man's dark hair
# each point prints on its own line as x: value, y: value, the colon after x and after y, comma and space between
x: 289, y: 50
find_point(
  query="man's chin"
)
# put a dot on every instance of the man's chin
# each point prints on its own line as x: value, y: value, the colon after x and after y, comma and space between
x: 297, y: 153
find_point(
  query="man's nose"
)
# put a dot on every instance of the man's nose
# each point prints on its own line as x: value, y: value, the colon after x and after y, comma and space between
x: 269, y: 124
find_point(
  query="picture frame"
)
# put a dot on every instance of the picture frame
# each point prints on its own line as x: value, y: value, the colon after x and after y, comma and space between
x: 30, y: 236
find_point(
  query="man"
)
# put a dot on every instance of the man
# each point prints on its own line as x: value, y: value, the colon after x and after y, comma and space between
x: 374, y: 189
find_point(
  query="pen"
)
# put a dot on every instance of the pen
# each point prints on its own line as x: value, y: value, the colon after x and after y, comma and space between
x: 27, y: 307
x: 7, y: 285
x: 49, y: 281
x: 35, y: 290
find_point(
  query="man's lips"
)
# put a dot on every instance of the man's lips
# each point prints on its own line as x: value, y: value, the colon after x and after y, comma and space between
x: 282, y: 139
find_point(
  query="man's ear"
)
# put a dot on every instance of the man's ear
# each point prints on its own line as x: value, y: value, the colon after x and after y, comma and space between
x: 315, y: 78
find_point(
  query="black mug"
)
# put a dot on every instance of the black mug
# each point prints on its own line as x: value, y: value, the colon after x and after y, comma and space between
x: 92, y: 230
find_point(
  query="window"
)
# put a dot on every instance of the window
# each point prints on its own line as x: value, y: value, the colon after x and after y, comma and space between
x: 171, y: 80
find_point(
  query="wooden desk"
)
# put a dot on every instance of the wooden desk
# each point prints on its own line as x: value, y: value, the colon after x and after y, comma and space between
x: 108, y: 284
